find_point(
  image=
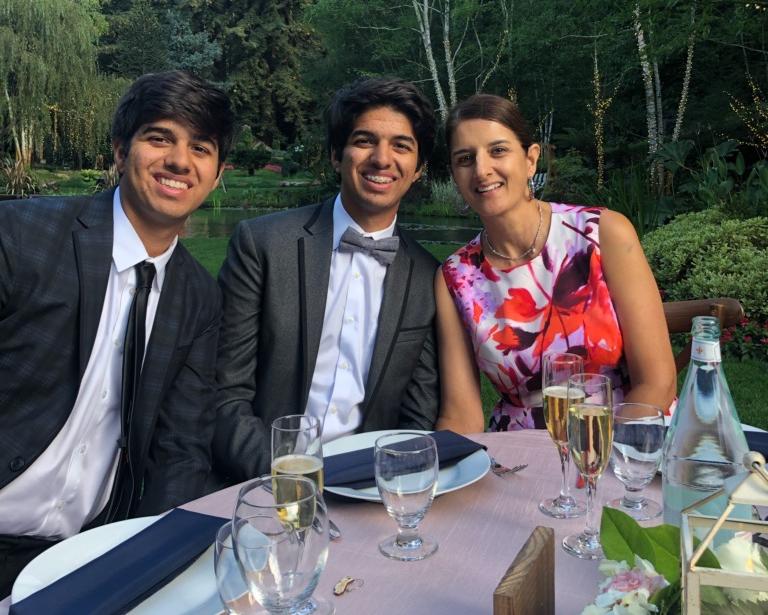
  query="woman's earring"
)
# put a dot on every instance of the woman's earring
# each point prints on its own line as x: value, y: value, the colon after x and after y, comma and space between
x: 531, y: 189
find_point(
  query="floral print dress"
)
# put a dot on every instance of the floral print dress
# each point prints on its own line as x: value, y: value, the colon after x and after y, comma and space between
x: 557, y: 302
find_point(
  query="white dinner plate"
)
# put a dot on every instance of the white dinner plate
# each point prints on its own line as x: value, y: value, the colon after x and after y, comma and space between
x: 467, y: 471
x: 193, y: 592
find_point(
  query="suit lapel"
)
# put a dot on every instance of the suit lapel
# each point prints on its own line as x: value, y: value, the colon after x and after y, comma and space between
x: 396, y: 285
x: 314, y: 260
x: 93, y: 254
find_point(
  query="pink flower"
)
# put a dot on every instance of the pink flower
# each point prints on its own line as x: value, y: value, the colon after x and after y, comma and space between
x: 744, y: 321
x: 627, y: 581
x: 764, y: 340
x: 748, y: 339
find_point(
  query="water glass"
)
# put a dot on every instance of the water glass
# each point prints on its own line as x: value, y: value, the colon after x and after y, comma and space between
x: 406, y: 470
x: 590, y: 436
x: 557, y: 368
x: 297, y: 447
x: 638, y: 437
x: 280, y: 531
x: 233, y: 592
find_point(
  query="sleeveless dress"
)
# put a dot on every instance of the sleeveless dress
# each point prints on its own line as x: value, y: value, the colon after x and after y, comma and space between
x: 557, y: 302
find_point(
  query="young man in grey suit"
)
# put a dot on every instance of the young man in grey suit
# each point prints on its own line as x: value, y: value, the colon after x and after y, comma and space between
x: 89, y: 288
x: 318, y: 320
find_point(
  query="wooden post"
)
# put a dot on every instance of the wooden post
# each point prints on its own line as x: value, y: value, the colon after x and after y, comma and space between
x: 528, y: 587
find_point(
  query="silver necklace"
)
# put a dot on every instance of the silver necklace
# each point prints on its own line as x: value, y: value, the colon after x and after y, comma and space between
x: 531, y: 249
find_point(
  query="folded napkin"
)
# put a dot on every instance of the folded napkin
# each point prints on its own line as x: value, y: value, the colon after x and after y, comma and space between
x: 121, y: 578
x: 757, y: 441
x: 354, y: 470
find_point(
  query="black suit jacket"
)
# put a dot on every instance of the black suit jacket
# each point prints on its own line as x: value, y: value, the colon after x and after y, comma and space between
x: 55, y: 257
x: 274, y: 283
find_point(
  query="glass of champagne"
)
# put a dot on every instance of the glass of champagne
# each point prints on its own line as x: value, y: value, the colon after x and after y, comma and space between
x: 638, y: 437
x: 280, y: 535
x: 557, y: 368
x: 297, y: 447
x: 406, y: 470
x: 233, y: 592
x: 590, y: 436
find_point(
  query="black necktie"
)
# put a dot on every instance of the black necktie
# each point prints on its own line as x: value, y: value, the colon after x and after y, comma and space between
x: 383, y: 250
x: 133, y: 355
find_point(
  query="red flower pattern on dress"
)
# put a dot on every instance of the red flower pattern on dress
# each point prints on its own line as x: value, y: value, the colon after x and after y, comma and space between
x: 557, y: 302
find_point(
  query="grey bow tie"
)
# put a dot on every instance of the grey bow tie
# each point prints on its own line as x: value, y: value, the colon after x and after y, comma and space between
x: 383, y: 250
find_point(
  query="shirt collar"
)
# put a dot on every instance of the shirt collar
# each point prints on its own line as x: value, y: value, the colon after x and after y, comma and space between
x: 127, y: 248
x: 342, y: 220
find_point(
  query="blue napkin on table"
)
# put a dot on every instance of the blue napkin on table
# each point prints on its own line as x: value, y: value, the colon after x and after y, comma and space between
x: 121, y: 578
x: 354, y: 470
x: 757, y: 441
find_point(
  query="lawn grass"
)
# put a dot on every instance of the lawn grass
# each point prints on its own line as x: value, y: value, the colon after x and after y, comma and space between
x: 747, y: 378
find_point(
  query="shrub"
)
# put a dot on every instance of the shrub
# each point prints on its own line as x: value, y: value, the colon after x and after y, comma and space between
x: 569, y: 178
x: 17, y: 179
x: 705, y: 254
x: 444, y: 198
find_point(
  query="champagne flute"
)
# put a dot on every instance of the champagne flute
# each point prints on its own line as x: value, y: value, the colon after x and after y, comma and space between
x: 297, y: 447
x: 233, y: 592
x: 406, y: 470
x: 638, y: 437
x: 590, y: 436
x: 280, y: 534
x: 556, y: 369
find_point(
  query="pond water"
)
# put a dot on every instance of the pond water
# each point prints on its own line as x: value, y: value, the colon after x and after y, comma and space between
x: 425, y: 229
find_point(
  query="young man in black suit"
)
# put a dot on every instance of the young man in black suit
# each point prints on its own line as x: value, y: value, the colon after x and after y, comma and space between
x: 318, y: 320
x: 108, y: 327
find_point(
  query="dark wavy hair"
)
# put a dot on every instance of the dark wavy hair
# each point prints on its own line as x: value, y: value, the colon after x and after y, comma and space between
x: 356, y: 98
x: 175, y: 95
x: 492, y: 108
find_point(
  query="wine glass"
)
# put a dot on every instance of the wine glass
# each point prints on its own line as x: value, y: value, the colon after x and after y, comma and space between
x: 280, y: 532
x: 406, y: 474
x: 234, y: 594
x: 638, y: 437
x: 590, y: 435
x: 556, y: 369
x: 297, y: 447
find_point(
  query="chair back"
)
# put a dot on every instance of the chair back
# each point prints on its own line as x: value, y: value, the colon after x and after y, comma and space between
x: 679, y: 315
x: 528, y: 587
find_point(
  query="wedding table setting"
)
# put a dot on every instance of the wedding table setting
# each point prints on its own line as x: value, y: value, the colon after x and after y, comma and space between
x: 429, y: 522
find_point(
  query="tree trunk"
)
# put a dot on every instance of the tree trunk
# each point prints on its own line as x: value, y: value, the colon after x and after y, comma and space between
x: 423, y: 19
x: 449, y: 68
x: 650, y: 99
x: 686, y: 78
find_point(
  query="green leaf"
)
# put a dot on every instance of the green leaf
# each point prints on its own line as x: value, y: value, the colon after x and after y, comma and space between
x: 668, y: 600
x: 666, y: 547
x: 763, y: 555
x: 622, y: 537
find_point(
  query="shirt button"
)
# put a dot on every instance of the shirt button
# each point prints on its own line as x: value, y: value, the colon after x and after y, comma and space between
x: 103, y: 394
x: 117, y: 343
x: 333, y: 409
x: 82, y: 449
x: 344, y: 365
x: 356, y: 275
x: 349, y: 320
x: 16, y: 464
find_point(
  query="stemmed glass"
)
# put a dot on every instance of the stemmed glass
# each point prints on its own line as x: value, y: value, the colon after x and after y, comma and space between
x: 638, y: 437
x: 556, y: 369
x: 590, y: 436
x: 406, y: 470
x: 234, y: 594
x: 297, y: 447
x: 280, y: 531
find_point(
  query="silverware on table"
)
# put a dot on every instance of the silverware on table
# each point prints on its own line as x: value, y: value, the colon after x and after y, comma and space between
x: 502, y: 470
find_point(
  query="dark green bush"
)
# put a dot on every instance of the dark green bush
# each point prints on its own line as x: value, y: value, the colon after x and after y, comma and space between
x: 705, y: 254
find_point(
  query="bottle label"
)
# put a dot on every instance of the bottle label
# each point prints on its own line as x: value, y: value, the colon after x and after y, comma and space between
x: 705, y: 351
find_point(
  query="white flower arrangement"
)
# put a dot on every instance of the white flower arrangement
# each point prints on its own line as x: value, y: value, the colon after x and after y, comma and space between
x: 626, y: 591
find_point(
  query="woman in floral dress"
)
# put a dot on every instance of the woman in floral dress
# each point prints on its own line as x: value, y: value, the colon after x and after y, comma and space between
x: 540, y: 277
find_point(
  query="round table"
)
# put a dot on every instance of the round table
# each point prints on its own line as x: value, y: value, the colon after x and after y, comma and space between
x: 479, y: 528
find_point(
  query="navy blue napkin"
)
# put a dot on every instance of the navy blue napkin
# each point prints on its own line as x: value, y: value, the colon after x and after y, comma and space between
x: 121, y: 578
x: 354, y: 470
x: 757, y: 441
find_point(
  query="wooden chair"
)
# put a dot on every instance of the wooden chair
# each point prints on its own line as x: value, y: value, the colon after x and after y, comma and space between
x: 528, y: 587
x: 679, y: 315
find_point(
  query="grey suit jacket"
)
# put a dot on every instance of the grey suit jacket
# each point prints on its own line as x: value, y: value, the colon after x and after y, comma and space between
x: 55, y: 257
x: 275, y: 283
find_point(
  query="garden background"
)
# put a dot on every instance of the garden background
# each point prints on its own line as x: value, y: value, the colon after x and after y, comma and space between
x: 654, y: 108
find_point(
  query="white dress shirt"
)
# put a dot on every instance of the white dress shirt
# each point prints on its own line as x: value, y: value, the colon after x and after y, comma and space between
x: 355, y: 290
x: 70, y: 482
